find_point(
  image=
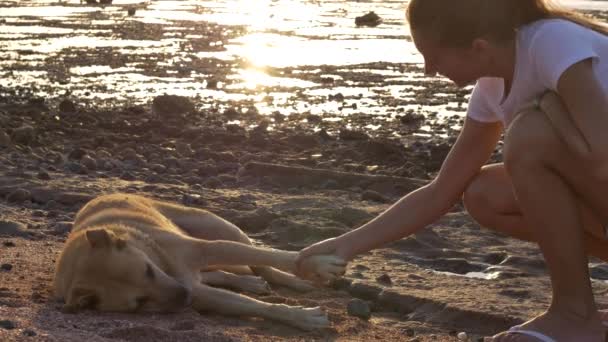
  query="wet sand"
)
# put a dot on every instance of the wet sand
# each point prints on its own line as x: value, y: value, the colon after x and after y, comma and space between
x: 288, y: 178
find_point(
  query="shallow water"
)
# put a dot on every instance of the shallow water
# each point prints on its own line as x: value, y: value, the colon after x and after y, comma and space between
x: 271, y: 55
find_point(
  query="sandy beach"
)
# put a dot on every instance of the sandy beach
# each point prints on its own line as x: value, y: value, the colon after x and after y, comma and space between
x: 306, y: 154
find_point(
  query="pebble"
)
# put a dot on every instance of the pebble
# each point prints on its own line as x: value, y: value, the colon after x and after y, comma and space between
x: 19, y: 196
x: 12, y: 228
x: 359, y: 308
x: 29, y: 332
x: 6, y: 324
x: 384, y: 279
x: 462, y: 336
x: 6, y: 267
x: 374, y: 196
x: 43, y: 175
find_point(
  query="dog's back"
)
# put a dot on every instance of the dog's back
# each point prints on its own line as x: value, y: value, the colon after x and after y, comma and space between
x: 130, y: 210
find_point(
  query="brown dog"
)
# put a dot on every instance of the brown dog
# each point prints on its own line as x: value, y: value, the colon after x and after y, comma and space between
x: 128, y: 253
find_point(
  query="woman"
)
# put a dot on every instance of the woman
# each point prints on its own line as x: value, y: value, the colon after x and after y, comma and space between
x: 551, y: 188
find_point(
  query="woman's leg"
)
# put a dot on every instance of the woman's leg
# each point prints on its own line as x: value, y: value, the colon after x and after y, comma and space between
x: 547, y: 182
x: 490, y: 200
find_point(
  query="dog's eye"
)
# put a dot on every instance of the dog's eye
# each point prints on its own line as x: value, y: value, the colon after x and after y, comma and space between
x: 149, y: 271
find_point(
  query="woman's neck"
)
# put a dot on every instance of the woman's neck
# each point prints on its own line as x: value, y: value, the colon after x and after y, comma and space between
x: 503, y: 63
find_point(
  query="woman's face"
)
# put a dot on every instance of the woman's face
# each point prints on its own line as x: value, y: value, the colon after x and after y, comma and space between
x: 462, y: 66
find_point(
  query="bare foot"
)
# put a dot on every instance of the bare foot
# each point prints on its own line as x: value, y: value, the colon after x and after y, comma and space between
x: 559, y: 327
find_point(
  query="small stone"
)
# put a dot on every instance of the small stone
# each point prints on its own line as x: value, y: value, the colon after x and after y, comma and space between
x: 128, y: 176
x: 6, y: 324
x: 43, y: 175
x: 77, y: 153
x: 89, y: 162
x: 29, y: 332
x: 371, y: 19
x: 359, y: 308
x: 8, y: 244
x: 67, y: 106
x: 385, y: 279
x: 24, y: 135
x: 5, y: 139
x: 131, y: 11
x: 213, y: 182
x: 6, y: 267
x: 374, y: 196
x: 462, y: 336
x: 62, y: 227
x: 19, y: 196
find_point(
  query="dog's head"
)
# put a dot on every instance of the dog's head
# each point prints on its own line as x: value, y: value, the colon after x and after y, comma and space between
x: 113, y: 273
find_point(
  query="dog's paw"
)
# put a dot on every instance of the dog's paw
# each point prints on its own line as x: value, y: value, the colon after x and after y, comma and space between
x: 309, y: 318
x: 323, y: 267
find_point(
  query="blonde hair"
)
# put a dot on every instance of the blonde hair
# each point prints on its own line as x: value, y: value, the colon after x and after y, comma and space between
x: 456, y: 23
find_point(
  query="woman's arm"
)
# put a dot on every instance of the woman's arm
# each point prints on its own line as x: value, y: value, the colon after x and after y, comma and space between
x: 471, y: 151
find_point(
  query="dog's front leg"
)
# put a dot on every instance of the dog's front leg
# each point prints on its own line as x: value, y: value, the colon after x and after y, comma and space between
x: 221, y: 252
x: 200, y: 253
x: 206, y: 298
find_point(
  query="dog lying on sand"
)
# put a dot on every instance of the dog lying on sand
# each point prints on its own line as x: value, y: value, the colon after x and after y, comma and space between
x: 128, y: 253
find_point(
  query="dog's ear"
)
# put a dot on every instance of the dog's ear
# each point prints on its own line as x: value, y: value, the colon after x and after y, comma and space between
x: 98, y: 238
x: 80, y: 298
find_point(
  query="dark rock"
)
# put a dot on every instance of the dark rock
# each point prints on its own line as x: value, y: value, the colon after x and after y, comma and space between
x: 89, y: 162
x: 62, y: 228
x: 232, y: 113
x: 370, y: 195
x: 384, y: 279
x: 6, y: 267
x: 359, y: 308
x: 213, y: 182
x: 411, y: 118
x: 24, y: 135
x: 364, y: 291
x: 341, y: 284
x: 67, y: 106
x: 128, y: 176
x: 77, y: 153
x: 29, y: 332
x: 43, y: 175
x: 12, y: 228
x: 599, y: 272
x: 8, y: 325
x: 131, y: 11
x: 8, y: 244
x: 19, y: 196
x: 164, y: 105
x: 346, y: 134
x: 370, y: 19
x: 5, y: 139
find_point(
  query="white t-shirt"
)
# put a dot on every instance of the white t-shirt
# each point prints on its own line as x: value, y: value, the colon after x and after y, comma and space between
x: 544, y: 50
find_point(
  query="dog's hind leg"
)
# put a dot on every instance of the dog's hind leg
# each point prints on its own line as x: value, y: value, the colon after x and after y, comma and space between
x: 206, y: 298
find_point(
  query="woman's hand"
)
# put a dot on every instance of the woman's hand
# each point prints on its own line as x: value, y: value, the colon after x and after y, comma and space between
x: 326, y: 247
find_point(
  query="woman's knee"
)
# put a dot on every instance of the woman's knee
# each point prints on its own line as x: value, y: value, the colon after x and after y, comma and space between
x: 529, y: 139
x: 479, y: 202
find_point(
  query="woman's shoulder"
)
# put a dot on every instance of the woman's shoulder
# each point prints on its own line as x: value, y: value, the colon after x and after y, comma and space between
x: 554, y: 26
